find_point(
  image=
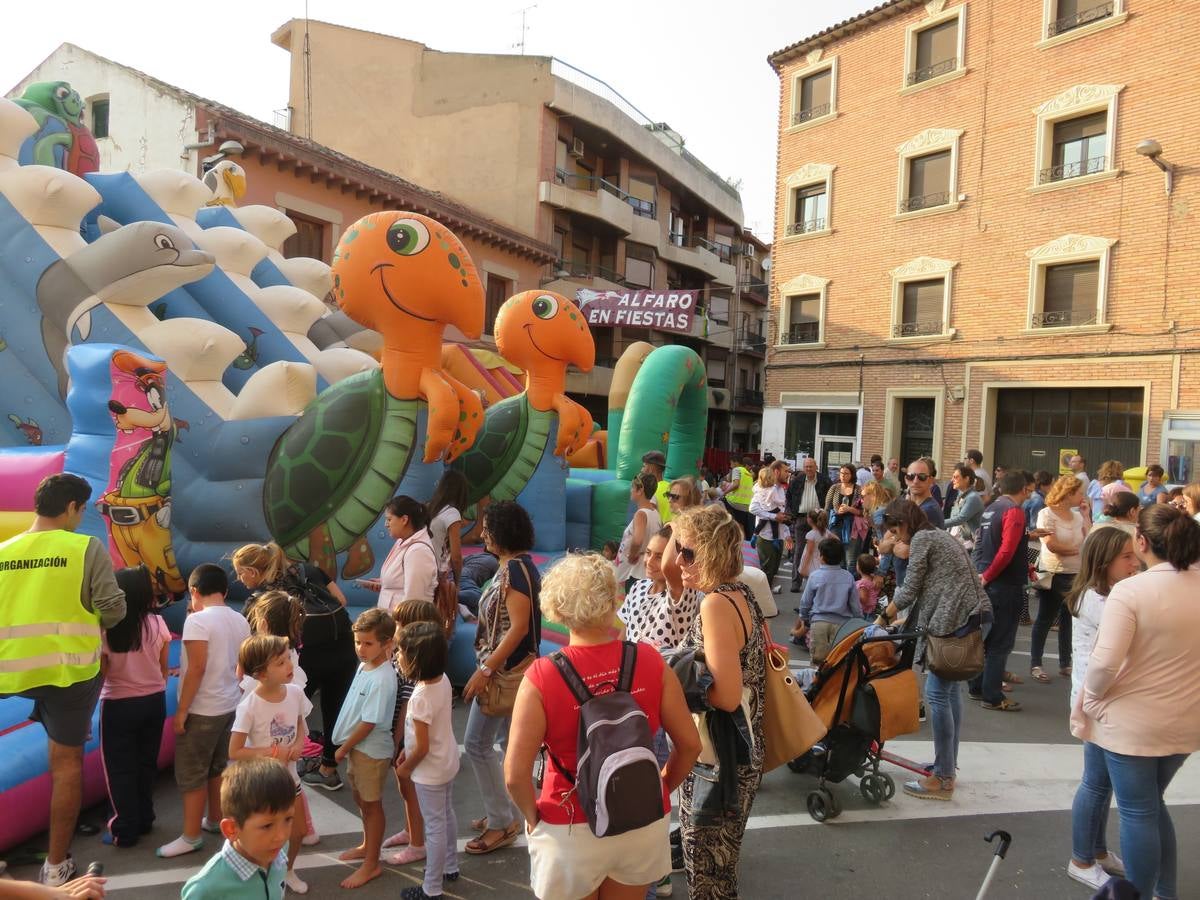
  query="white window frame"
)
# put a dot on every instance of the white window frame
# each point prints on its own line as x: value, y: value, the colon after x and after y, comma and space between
x: 931, y: 140
x: 807, y: 176
x: 1050, y: 7
x: 1070, y: 248
x: 802, y: 285
x: 1072, y: 103
x: 923, y: 268
x: 935, y: 14
x: 815, y: 63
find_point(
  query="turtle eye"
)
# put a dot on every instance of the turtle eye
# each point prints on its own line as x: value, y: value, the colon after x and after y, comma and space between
x: 545, y: 306
x: 162, y: 242
x: 62, y: 91
x: 407, y: 237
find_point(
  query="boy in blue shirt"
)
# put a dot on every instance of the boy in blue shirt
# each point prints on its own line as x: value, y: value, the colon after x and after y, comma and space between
x: 364, y: 731
x: 830, y: 599
x: 257, y: 799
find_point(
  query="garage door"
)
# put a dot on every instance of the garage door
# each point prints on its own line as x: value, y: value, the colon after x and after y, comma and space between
x: 1033, y: 425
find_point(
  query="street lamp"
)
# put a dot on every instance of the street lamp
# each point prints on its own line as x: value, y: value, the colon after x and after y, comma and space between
x: 227, y: 149
x: 1152, y: 150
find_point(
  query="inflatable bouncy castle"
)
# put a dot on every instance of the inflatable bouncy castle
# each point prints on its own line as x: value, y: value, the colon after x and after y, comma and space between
x: 154, y: 340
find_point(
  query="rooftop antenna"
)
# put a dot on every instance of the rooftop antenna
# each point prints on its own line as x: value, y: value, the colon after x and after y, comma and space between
x: 520, y: 45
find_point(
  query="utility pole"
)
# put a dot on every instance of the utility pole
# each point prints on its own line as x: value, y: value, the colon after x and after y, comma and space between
x: 520, y: 45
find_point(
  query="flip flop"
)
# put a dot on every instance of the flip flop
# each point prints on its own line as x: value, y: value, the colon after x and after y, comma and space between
x: 1004, y: 705
x: 1006, y: 687
x: 478, y: 847
x: 1039, y: 676
x: 1012, y: 678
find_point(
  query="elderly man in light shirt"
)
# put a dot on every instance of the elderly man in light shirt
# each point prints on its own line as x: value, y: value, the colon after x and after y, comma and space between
x: 804, y: 494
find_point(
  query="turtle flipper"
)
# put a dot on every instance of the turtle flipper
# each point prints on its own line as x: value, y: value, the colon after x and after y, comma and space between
x: 320, y: 551
x: 359, y: 559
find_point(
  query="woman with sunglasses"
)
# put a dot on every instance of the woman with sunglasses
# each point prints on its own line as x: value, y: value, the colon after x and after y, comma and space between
x: 844, y: 504
x: 941, y: 583
x: 729, y: 631
x: 1140, y: 702
x: 683, y: 493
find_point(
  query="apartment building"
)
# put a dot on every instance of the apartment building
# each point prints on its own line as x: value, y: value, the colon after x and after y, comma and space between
x: 559, y: 156
x: 986, y: 232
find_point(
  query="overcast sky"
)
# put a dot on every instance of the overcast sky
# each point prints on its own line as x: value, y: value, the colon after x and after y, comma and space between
x: 699, y: 66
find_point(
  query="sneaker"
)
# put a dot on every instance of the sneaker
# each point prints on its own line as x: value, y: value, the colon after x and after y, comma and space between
x: 310, y: 839
x: 294, y: 882
x: 664, y: 887
x: 58, y: 875
x: 921, y: 713
x: 1093, y: 876
x: 931, y: 787
x: 416, y: 892
x: 775, y: 590
x: 1112, y: 865
x: 676, y: 858
x: 331, y: 782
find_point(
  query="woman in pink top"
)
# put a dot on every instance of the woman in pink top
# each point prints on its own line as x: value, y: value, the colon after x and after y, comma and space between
x: 133, y: 708
x: 1141, y: 696
x: 411, y: 568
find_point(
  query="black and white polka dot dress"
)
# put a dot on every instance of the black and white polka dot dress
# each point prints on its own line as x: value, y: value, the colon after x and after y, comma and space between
x: 654, y: 619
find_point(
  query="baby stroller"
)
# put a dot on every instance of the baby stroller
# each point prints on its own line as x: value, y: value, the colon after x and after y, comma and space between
x: 866, y: 693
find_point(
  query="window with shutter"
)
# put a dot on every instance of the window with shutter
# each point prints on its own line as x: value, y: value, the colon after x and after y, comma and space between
x: 937, y: 51
x: 804, y: 319
x: 921, y: 308
x: 928, y: 181
x: 1070, y: 295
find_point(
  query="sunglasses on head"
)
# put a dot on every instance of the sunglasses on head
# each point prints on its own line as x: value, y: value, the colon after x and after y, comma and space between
x: 916, y: 476
x: 687, y: 554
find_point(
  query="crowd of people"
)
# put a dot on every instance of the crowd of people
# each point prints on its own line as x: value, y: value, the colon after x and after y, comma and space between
x: 1109, y: 568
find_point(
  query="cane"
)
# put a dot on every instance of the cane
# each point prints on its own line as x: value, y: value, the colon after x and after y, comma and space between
x: 1001, y: 852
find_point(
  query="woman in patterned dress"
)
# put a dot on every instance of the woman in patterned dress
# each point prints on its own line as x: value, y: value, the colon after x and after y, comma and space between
x: 729, y: 630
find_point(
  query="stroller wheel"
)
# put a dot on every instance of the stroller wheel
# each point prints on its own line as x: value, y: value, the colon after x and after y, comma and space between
x: 822, y: 805
x: 871, y: 789
x: 889, y: 785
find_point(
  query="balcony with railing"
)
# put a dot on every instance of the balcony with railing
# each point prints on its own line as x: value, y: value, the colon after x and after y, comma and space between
x: 564, y: 268
x: 696, y: 252
x: 923, y: 328
x: 1079, y: 19
x: 806, y: 226
x: 750, y: 398
x: 723, y: 252
x: 1063, y: 318
x: 925, y: 201
x: 1078, y: 169
x: 752, y: 341
x: 804, y: 333
x: 926, y: 73
x: 812, y: 112
x: 644, y: 208
x: 755, y: 291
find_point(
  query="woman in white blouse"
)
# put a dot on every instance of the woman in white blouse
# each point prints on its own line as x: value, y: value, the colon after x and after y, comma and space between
x: 1062, y: 530
x: 410, y: 570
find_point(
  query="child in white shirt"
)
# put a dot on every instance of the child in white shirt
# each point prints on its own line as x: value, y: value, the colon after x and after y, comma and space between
x: 270, y: 722
x: 430, y: 756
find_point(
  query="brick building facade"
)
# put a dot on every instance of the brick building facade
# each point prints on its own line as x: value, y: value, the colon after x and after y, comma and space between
x: 972, y: 249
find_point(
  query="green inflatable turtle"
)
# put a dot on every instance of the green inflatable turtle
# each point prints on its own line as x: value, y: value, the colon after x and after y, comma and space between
x: 543, y: 333
x: 332, y: 472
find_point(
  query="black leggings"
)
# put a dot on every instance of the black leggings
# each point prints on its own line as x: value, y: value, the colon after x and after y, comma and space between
x: 1051, y: 608
x: 330, y: 669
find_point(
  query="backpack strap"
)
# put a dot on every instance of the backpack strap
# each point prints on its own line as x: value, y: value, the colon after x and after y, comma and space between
x: 628, y: 663
x: 571, y: 676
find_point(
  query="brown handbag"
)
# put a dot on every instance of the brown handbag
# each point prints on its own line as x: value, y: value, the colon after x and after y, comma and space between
x: 445, y: 598
x: 955, y: 657
x: 500, y: 695
x: 790, y: 727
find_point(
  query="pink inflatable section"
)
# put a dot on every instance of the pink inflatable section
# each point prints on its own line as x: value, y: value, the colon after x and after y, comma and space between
x: 20, y: 474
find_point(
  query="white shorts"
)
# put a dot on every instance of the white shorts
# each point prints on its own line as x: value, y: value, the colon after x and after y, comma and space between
x: 567, y: 862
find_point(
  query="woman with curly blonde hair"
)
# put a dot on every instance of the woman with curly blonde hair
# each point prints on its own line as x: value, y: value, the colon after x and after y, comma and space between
x: 566, y: 859
x: 1061, y: 528
x: 728, y: 630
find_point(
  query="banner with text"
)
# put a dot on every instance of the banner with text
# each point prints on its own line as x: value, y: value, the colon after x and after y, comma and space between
x: 660, y: 310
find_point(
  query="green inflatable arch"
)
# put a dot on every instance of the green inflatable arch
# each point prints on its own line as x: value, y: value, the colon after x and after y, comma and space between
x: 667, y: 410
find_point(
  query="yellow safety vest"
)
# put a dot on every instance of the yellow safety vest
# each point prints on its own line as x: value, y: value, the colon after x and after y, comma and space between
x: 744, y: 493
x: 664, y: 505
x: 46, y: 636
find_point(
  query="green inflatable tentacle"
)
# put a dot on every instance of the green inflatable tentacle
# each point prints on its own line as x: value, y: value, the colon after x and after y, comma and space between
x: 667, y: 410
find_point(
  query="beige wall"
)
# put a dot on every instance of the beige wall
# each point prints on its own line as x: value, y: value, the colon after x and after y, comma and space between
x: 467, y: 125
x: 1154, y: 273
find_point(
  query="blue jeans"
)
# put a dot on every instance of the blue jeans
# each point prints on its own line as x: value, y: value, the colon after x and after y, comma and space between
x: 1089, y: 811
x: 943, y: 700
x: 441, y: 834
x: 479, y: 741
x: 1147, y: 833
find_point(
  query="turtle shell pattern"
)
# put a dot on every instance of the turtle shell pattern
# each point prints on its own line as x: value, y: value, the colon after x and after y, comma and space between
x: 338, y: 464
x: 507, y: 449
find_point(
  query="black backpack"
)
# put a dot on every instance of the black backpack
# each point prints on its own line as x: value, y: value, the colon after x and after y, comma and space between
x: 617, y: 777
x: 325, y: 619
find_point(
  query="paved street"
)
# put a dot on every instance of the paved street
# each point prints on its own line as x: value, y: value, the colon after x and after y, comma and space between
x: 1018, y: 772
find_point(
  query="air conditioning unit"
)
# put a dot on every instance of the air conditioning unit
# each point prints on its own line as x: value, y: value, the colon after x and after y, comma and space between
x: 577, y: 148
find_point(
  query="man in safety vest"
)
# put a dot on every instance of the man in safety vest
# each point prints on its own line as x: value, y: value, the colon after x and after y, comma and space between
x: 738, y: 491
x: 57, y: 590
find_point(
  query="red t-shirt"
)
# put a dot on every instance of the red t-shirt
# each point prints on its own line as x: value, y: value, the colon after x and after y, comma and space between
x: 599, y: 666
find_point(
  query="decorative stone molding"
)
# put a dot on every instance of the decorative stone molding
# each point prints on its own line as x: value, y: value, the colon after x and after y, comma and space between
x: 812, y: 173
x: 930, y: 139
x: 1081, y: 96
x: 1071, y: 245
x: 921, y: 266
x: 803, y: 284
x: 933, y: 7
x: 814, y: 56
